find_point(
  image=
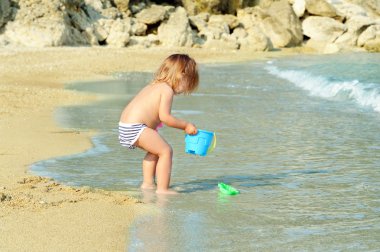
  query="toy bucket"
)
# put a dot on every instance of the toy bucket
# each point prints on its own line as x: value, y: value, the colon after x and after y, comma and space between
x: 201, y: 143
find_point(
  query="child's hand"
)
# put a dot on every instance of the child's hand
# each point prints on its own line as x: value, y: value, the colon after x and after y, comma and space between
x: 191, y: 129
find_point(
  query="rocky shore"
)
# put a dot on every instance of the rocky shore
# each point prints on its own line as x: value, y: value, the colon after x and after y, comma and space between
x: 325, y: 26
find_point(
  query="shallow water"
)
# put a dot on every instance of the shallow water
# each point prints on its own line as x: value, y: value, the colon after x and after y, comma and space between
x: 298, y: 136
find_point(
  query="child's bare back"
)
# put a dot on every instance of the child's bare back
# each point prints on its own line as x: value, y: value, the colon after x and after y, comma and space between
x: 145, y: 106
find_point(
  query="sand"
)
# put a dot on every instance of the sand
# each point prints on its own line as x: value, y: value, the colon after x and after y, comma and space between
x: 39, y: 214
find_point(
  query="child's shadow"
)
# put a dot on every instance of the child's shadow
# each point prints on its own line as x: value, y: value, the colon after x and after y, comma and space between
x: 242, y: 181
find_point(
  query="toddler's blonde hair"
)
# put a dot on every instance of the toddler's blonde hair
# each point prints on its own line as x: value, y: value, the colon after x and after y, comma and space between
x: 177, y: 68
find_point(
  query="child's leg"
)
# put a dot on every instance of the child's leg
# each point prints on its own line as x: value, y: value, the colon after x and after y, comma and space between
x: 152, y: 142
x: 149, y: 171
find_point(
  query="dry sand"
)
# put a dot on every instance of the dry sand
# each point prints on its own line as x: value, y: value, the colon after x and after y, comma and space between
x: 39, y: 214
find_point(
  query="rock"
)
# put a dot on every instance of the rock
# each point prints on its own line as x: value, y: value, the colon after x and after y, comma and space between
x: 230, y: 20
x: 299, y: 7
x: 265, y: 4
x: 80, y: 20
x: 122, y: 5
x: 100, y: 32
x: 274, y: 30
x: 373, y: 45
x: 97, y: 5
x: 225, y: 42
x: 152, y: 15
x: 320, y: 8
x: 322, y: 28
x: 252, y: 16
x: 138, y: 28
x: 371, y: 33
x: 255, y: 40
x: 215, y: 28
x: 372, y: 7
x: 89, y: 33
x: 289, y: 25
x: 143, y: 41
x: 239, y: 33
x: 176, y: 30
x: 98, y: 9
x: 119, y: 33
x: 5, y: 12
x: 42, y: 23
x: 322, y: 46
x: 199, y: 21
x: 88, y: 22
x: 355, y: 26
x: 36, y: 35
x: 137, y: 7
x: 370, y: 38
x: 278, y: 23
x: 194, y: 7
x: 92, y: 12
x: 214, y: 31
x: 112, y: 13
x: 348, y: 10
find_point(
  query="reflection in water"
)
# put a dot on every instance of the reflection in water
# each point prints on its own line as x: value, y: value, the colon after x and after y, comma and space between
x: 154, y: 233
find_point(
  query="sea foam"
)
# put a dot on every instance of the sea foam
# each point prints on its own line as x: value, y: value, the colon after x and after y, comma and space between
x: 363, y: 94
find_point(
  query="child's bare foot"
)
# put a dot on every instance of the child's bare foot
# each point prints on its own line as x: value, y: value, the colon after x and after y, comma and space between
x: 146, y: 186
x: 166, y: 192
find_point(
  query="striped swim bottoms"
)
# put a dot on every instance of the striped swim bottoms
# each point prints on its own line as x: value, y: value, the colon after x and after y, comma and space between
x: 129, y: 133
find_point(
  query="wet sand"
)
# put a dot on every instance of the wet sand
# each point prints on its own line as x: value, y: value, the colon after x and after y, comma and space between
x: 39, y: 214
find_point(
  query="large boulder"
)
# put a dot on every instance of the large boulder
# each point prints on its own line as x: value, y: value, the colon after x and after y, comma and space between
x: 299, y: 7
x: 373, y: 45
x: 176, y: 30
x: 143, y: 41
x: 255, y: 40
x: 370, y: 38
x: 348, y: 10
x: 119, y: 33
x: 214, y: 31
x: 96, y: 9
x: 217, y: 27
x: 199, y: 22
x: 226, y: 42
x: 230, y: 20
x: 274, y: 30
x: 153, y: 14
x: 83, y: 24
x: 372, y: 7
x: 283, y: 13
x: 43, y: 23
x: 322, y: 46
x: 122, y: 5
x: 322, y: 28
x: 278, y: 23
x: 138, y: 28
x: 252, y: 16
x: 5, y: 11
x: 355, y: 26
x: 320, y: 8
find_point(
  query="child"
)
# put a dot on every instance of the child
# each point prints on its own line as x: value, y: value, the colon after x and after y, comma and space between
x: 152, y: 105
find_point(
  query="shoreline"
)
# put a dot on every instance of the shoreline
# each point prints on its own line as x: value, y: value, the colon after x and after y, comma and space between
x: 31, y: 87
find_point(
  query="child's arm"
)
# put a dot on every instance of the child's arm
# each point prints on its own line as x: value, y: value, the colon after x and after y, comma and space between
x: 167, y: 118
